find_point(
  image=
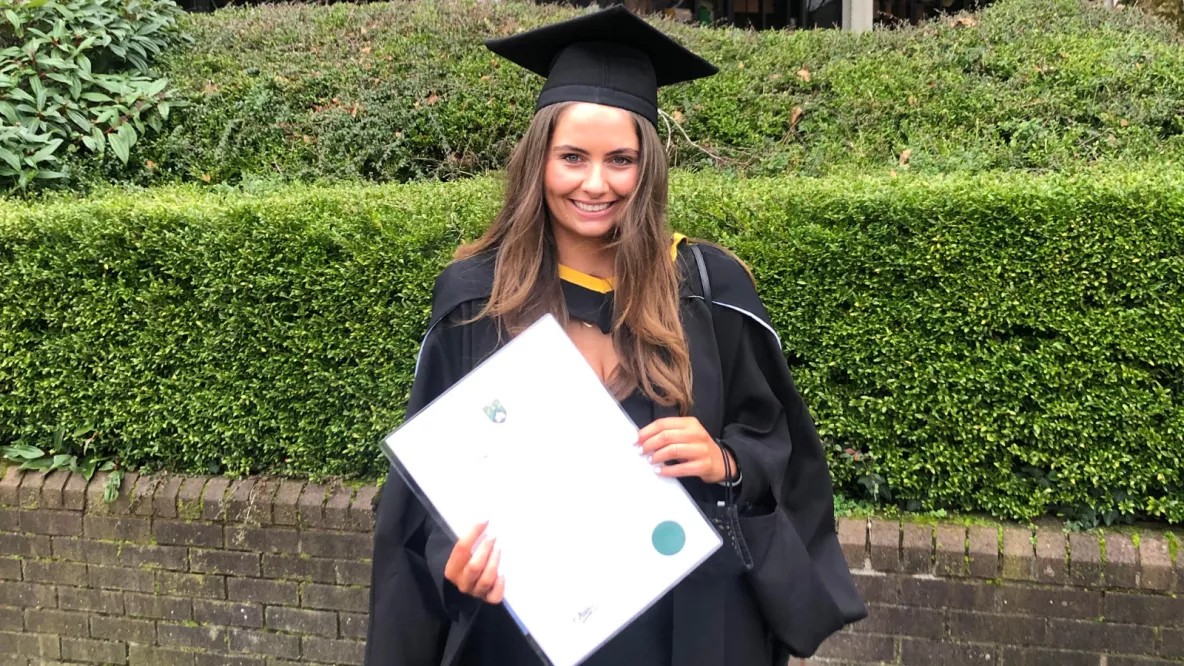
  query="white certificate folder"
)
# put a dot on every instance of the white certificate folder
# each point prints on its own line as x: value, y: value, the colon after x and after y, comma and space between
x: 531, y: 441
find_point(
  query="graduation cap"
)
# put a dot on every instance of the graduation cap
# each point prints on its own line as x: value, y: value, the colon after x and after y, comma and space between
x: 609, y: 57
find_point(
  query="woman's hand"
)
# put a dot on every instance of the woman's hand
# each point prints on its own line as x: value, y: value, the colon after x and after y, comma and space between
x: 686, y: 441
x: 475, y: 572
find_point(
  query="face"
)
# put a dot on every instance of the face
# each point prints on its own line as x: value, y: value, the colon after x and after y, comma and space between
x: 592, y: 167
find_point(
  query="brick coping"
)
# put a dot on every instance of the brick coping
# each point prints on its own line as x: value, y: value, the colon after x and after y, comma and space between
x: 1098, y: 559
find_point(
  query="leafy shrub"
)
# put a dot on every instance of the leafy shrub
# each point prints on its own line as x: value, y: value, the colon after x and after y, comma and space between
x: 76, y: 74
x: 404, y: 90
x: 1003, y: 343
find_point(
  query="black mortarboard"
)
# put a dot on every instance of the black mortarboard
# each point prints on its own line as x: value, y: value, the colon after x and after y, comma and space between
x: 609, y: 57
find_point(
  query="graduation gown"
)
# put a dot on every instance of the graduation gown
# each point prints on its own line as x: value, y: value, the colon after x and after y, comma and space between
x: 743, y: 395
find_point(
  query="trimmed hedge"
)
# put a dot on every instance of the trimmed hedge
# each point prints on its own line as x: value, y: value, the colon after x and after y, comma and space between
x: 1004, y: 343
x: 404, y: 90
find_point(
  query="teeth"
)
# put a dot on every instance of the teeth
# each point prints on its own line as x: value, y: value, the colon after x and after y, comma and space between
x: 591, y: 209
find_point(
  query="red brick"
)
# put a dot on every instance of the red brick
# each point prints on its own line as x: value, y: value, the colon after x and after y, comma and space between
x: 228, y: 613
x: 295, y: 567
x: 74, y: 493
x: 53, y: 523
x: 984, y: 551
x: 200, y: 638
x: 361, y: 510
x: 207, y: 586
x: 916, y: 541
x: 332, y: 651
x: 29, y: 493
x: 238, y: 506
x: 27, y: 595
x: 1043, y: 602
x: 950, y: 542
x: 335, y: 597
x: 25, y: 545
x: 1147, y: 609
x: 1156, y: 563
x: 284, y: 508
x: 339, y: 545
x: 902, y: 621
x: 311, y: 505
x: 51, y: 489
x: 884, y: 540
x: 261, y: 500
x: 123, y: 629
x: 263, y: 539
x: 1051, y: 565
x: 994, y: 628
x: 189, y: 504
x: 55, y: 573
x: 183, y: 533
x: 103, y: 652
x: 223, y: 562
x: 857, y: 647
x: 122, y: 528
x: 119, y: 578
x: 1019, y: 554
x: 156, y: 557
x: 58, y: 622
x: 1100, y: 637
x: 264, y: 642
x: 9, y: 486
x: 352, y: 572
x: 212, y: 499
x: 164, y: 502
x: 1172, y: 643
x: 353, y: 625
x: 263, y: 591
x: 1013, y: 656
x: 10, y: 568
x: 336, y: 510
x: 930, y: 593
x: 207, y: 659
x: 1085, y: 559
x: 143, y: 655
x: 158, y: 607
x: 927, y: 653
x: 301, y: 621
x: 91, y: 601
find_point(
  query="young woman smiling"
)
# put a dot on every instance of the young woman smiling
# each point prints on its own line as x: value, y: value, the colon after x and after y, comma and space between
x: 676, y: 332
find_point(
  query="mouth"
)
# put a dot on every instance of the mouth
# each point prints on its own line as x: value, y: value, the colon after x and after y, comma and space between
x: 592, y: 209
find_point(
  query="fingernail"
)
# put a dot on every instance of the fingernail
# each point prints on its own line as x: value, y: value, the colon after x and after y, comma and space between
x: 658, y: 470
x: 649, y: 458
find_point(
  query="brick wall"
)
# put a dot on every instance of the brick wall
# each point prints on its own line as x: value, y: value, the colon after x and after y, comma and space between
x: 1010, y: 596
x: 264, y: 572
x: 179, y: 570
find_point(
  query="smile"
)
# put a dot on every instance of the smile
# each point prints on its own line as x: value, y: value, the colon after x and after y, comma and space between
x: 592, y: 208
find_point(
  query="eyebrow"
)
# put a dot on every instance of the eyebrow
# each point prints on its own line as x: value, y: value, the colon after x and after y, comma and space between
x: 575, y: 149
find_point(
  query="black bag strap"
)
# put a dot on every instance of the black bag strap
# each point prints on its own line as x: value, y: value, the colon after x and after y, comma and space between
x: 704, y: 280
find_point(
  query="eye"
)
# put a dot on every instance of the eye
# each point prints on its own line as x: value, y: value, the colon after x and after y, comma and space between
x: 570, y: 158
x: 622, y: 161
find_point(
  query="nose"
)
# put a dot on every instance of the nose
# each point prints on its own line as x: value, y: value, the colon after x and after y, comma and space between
x: 595, y: 184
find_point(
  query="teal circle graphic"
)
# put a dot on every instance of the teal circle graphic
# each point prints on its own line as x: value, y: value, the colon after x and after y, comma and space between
x: 669, y: 537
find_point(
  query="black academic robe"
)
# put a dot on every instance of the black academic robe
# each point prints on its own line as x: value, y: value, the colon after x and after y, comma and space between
x: 743, y: 394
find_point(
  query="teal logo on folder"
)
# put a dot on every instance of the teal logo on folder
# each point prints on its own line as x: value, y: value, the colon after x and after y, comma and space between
x: 496, y: 412
x: 669, y: 537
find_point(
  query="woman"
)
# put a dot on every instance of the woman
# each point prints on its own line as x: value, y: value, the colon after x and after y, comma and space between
x: 678, y: 334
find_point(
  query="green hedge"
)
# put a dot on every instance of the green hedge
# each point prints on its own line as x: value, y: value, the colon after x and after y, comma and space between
x: 404, y: 90
x: 1000, y: 343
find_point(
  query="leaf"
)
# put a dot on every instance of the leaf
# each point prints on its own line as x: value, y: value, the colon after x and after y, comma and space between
x: 111, y: 488
x: 87, y: 467
x: 63, y: 461
x: 43, y: 174
x: 40, y: 156
x: 41, y: 464
x: 13, y: 19
x: 163, y: 109
x: 10, y: 158
x: 804, y: 74
x: 79, y: 120
x: 38, y: 91
x: 22, y: 452
x: 96, y: 97
x: 119, y: 143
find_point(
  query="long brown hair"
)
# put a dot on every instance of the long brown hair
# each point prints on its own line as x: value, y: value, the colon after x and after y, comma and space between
x: 647, y: 332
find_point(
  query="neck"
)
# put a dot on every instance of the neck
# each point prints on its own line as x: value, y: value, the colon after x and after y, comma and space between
x: 591, y: 256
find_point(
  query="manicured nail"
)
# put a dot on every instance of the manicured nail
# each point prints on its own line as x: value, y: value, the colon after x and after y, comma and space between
x: 658, y: 470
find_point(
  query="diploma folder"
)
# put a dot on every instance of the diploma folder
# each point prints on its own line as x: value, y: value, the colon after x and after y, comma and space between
x: 533, y: 442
